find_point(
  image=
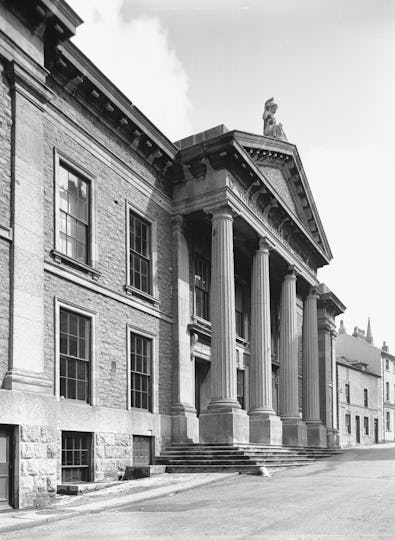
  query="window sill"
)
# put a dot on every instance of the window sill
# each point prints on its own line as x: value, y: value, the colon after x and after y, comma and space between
x: 132, y: 291
x: 201, y: 327
x: 243, y: 341
x: 60, y: 258
x: 137, y: 409
x: 74, y: 401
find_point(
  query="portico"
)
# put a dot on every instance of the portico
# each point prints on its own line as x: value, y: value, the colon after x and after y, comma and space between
x: 244, y: 221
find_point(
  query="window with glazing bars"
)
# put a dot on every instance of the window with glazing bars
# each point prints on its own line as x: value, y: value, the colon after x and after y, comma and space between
x: 202, y: 288
x: 387, y: 421
x: 366, y: 425
x: 140, y: 253
x: 348, y: 422
x: 140, y: 372
x: 240, y: 388
x: 347, y: 390
x: 239, y: 310
x: 74, y: 215
x: 76, y: 450
x: 387, y: 391
x: 75, y: 337
x: 365, y: 397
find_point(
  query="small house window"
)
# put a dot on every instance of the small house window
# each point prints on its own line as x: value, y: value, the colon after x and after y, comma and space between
x: 348, y: 423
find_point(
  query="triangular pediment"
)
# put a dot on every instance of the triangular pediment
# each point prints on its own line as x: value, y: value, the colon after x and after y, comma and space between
x: 282, y: 169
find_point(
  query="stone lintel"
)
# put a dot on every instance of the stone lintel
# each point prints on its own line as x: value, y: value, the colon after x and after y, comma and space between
x: 226, y: 427
x: 266, y: 429
x: 29, y: 381
x: 294, y: 432
x: 316, y: 434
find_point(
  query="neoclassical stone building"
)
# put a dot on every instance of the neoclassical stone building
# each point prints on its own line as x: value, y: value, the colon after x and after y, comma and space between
x: 150, y: 292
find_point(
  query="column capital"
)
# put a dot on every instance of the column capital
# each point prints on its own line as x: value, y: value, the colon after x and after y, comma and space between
x: 313, y: 292
x: 177, y: 222
x: 291, y: 272
x: 265, y: 244
x: 221, y: 210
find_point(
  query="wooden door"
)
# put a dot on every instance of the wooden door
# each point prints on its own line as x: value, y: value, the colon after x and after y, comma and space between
x: 5, y: 456
x: 358, y: 429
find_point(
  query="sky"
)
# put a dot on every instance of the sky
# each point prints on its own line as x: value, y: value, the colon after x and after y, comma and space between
x: 192, y: 64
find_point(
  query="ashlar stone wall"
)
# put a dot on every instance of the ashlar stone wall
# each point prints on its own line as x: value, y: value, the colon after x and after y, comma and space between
x: 113, y: 453
x: 40, y: 453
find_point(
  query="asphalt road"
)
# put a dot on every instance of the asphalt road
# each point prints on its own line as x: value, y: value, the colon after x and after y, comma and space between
x: 351, y: 496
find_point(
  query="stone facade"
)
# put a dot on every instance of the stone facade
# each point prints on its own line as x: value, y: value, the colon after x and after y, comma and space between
x: 224, y: 345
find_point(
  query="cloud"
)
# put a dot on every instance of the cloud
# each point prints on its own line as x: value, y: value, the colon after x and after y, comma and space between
x: 136, y: 56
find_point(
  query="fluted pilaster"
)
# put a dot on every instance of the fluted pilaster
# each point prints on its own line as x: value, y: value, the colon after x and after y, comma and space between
x: 288, y: 390
x: 311, y: 397
x: 223, y: 340
x: 260, y: 359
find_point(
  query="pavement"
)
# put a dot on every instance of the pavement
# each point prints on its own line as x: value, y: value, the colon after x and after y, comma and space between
x: 116, y: 496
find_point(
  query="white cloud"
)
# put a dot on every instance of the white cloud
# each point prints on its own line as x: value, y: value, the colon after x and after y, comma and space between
x: 137, y: 58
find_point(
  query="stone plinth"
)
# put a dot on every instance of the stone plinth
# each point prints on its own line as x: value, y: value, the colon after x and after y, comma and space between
x: 294, y: 432
x: 266, y: 429
x: 332, y: 438
x: 316, y: 434
x: 184, y: 425
x: 224, y: 426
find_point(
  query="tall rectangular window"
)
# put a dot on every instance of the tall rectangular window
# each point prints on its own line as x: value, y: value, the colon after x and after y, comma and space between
x: 76, y: 456
x: 140, y: 372
x: 387, y: 421
x: 387, y: 363
x: 202, y: 288
x: 347, y: 390
x: 366, y: 425
x: 239, y: 309
x: 140, y: 256
x: 240, y: 387
x: 348, y: 423
x: 365, y: 397
x: 387, y: 391
x: 75, y: 350
x: 74, y: 208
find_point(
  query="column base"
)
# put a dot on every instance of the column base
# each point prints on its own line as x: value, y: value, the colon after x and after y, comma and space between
x: 184, y: 424
x: 226, y: 427
x: 294, y: 432
x: 332, y: 438
x: 266, y: 429
x: 28, y: 381
x: 316, y: 435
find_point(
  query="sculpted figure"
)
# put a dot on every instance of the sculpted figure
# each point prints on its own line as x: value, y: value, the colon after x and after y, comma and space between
x: 270, y: 126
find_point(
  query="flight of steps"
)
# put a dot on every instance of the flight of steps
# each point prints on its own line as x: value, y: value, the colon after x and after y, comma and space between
x: 243, y: 458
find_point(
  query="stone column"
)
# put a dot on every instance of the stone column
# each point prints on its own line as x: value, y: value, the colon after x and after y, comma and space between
x: 26, y: 368
x: 224, y: 421
x: 294, y: 429
x: 185, y: 427
x: 334, y: 380
x: 265, y: 425
x: 316, y: 432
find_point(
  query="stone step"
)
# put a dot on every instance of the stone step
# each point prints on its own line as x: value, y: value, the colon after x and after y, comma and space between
x: 246, y: 469
x: 238, y: 463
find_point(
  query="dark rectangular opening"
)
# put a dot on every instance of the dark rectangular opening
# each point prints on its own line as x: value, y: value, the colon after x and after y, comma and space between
x: 142, y: 450
x: 76, y: 457
x: 7, y: 466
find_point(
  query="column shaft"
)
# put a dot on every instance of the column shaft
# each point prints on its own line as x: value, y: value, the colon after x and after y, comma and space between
x: 261, y: 358
x: 222, y: 307
x: 289, y: 403
x: 311, y: 398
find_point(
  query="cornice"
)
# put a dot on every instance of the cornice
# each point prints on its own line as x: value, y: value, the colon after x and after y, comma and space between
x: 224, y: 151
x: 88, y: 72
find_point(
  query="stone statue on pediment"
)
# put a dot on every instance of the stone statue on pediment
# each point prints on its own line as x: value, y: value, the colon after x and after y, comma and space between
x: 270, y: 126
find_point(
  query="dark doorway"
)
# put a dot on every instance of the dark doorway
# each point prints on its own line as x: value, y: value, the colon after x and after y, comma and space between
x: 201, y: 370
x: 6, y: 458
x: 358, y: 429
x: 376, y: 430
